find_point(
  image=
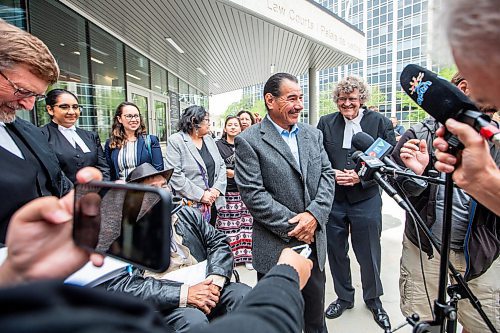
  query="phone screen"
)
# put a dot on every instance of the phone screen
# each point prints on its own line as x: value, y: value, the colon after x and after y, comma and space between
x: 128, y: 221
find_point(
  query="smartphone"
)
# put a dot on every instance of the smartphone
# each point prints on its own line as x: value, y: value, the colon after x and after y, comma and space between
x: 304, y: 250
x: 131, y: 222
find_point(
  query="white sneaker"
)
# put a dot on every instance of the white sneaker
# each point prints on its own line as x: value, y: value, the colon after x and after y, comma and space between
x: 249, y: 266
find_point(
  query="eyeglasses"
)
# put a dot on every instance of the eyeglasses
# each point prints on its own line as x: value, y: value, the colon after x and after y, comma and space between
x: 66, y: 107
x: 350, y: 99
x: 131, y: 116
x: 23, y: 93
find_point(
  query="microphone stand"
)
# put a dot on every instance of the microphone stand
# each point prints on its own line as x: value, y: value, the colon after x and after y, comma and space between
x: 445, y: 313
x: 393, y: 172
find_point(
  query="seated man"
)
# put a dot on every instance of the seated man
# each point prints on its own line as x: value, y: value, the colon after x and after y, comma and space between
x: 193, y: 241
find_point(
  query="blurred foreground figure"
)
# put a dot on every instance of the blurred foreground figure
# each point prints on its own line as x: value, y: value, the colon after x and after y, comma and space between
x: 31, y: 168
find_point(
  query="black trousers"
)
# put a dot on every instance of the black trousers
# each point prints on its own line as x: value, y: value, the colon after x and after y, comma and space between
x: 314, y: 298
x: 185, y: 319
x: 363, y: 220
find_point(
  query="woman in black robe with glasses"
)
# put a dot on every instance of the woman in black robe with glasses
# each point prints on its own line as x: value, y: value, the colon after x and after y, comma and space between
x: 75, y: 148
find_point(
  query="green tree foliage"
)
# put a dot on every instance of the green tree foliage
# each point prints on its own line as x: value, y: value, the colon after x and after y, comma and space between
x: 448, y: 72
x: 377, y: 97
x: 245, y: 104
x: 417, y: 113
x: 326, y: 104
x: 258, y: 107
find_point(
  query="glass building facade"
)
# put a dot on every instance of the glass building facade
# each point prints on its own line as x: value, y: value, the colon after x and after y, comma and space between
x: 396, y: 35
x: 101, y: 70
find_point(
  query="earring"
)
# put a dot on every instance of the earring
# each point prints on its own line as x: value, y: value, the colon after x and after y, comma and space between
x: 196, y: 132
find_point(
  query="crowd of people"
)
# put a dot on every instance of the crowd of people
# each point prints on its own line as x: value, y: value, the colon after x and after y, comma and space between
x: 267, y: 185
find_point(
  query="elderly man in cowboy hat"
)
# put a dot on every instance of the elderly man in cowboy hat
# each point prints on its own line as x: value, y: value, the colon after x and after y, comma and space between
x: 193, y: 241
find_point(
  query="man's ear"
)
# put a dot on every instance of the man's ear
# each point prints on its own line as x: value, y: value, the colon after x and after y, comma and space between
x: 464, y: 86
x: 268, y: 99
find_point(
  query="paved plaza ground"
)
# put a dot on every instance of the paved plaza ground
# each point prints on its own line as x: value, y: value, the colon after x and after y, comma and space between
x: 360, y: 319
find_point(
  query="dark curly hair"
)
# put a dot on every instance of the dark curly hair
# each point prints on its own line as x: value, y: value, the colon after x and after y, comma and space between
x: 191, y: 117
x: 118, y: 135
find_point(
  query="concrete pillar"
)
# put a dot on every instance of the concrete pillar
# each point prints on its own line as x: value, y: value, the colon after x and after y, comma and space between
x: 313, y: 97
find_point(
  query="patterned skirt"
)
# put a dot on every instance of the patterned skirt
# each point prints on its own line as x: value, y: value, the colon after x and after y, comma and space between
x: 235, y: 221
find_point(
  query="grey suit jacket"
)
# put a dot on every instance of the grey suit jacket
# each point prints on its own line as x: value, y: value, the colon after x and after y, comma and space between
x: 275, y: 188
x: 186, y: 180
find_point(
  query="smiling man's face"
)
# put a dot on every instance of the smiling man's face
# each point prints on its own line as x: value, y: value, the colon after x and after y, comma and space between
x: 285, y: 109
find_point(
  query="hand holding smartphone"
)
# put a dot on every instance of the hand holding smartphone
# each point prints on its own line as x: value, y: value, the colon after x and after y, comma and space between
x: 304, y: 250
x: 130, y: 222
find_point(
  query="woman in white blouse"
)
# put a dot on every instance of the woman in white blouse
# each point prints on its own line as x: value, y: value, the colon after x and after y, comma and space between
x: 129, y: 144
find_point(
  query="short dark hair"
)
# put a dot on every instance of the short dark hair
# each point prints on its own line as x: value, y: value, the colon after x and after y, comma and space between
x: 457, y: 78
x: 273, y: 84
x: 192, y: 116
x: 53, y: 95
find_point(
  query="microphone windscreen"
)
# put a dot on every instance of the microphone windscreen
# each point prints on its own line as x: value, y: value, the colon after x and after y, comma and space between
x: 438, y: 97
x: 356, y: 155
x: 362, y: 141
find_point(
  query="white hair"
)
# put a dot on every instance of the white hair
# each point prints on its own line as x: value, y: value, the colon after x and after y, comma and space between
x: 473, y: 28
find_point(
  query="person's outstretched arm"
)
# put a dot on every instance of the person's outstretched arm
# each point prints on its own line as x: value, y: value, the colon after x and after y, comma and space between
x: 39, y: 239
x: 474, y: 170
x: 275, y: 305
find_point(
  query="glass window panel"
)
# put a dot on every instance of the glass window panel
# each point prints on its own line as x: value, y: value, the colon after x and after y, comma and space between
x: 137, y: 68
x: 161, y: 119
x: 183, y: 94
x: 142, y: 103
x: 69, y: 48
x: 158, y: 79
x: 108, y: 77
x: 173, y: 83
x: 13, y: 11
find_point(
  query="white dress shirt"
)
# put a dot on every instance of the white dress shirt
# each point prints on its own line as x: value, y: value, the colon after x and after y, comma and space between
x: 73, y: 137
x: 352, y: 127
x: 290, y: 138
x: 8, y: 143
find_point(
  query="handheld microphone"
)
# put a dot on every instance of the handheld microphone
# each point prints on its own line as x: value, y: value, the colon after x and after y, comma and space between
x: 367, y: 169
x: 379, y: 148
x: 443, y: 100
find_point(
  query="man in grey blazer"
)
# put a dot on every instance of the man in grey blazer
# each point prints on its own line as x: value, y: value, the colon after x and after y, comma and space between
x: 286, y: 181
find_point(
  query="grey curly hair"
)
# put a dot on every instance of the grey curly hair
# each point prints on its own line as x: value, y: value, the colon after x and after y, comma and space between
x: 347, y: 86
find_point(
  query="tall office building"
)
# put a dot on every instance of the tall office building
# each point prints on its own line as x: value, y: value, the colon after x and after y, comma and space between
x: 397, y: 33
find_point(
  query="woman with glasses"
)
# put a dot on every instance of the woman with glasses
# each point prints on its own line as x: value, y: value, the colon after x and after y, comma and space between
x: 234, y: 220
x: 199, y: 170
x: 75, y: 148
x: 129, y: 144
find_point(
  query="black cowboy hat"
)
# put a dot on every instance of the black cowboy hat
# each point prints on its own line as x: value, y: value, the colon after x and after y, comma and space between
x: 146, y: 170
